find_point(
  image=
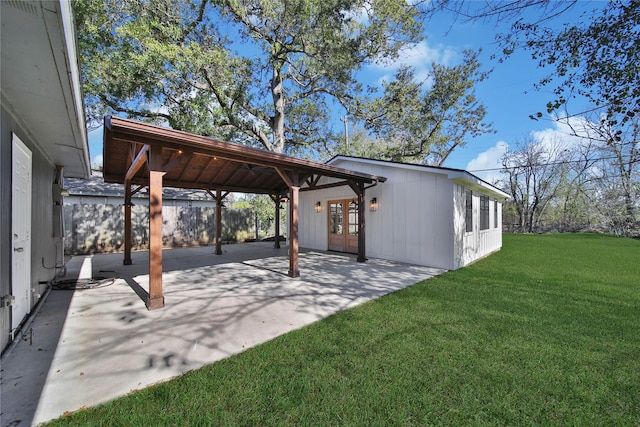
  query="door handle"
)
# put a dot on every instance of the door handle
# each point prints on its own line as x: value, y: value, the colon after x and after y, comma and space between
x: 18, y: 249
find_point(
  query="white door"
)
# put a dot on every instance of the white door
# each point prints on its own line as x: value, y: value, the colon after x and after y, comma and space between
x: 21, y: 231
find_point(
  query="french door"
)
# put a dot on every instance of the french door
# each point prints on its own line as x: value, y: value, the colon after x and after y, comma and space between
x: 343, y: 225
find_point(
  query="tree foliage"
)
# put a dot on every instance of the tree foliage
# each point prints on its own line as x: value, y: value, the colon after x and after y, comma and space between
x: 423, y: 122
x: 595, y: 57
x: 173, y: 60
x: 262, y: 210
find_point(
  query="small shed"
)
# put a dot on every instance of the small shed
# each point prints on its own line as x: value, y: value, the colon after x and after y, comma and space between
x: 425, y: 215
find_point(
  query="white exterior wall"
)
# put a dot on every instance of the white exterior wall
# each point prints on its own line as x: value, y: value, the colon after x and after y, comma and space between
x: 471, y: 246
x: 420, y: 217
x: 413, y: 222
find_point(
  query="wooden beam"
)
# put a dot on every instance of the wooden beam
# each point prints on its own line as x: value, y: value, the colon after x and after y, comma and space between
x: 356, y: 187
x: 313, y: 179
x: 127, y: 223
x: 137, y: 163
x: 137, y: 189
x: 156, y: 298
x: 286, y: 178
x: 323, y: 186
x: 229, y: 187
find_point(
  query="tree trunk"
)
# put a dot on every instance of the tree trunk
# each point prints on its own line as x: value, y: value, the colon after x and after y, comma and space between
x: 277, y: 121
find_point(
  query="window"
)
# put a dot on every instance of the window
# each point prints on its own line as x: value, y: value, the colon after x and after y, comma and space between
x: 495, y: 213
x: 484, y: 212
x: 468, y: 217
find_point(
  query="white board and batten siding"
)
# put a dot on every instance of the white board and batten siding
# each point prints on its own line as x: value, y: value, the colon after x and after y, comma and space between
x: 476, y: 244
x: 420, y: 215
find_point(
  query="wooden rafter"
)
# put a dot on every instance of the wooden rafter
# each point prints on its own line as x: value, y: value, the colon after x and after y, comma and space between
x: 203, y: 170
x: 137, y: 163
x: 186, y: 167
x: 174, y: 160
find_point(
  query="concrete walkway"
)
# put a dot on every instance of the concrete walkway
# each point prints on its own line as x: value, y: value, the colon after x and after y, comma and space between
x: 90, y: 346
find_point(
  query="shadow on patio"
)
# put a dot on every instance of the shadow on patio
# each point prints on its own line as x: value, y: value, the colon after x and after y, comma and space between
x: 109, y: 343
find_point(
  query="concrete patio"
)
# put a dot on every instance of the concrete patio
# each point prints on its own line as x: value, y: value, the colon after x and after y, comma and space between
x: 90, y: 346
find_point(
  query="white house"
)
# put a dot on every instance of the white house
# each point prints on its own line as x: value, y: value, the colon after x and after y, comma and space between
x: 424, y: 215
x: 42, y: 139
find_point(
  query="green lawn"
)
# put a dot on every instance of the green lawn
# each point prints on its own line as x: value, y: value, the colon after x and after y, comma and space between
x: 545, y: 332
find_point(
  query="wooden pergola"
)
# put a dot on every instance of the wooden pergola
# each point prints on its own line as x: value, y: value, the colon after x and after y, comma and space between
x: 140, y: 155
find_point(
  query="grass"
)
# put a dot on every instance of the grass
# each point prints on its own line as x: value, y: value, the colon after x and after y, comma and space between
x: 545, y: 332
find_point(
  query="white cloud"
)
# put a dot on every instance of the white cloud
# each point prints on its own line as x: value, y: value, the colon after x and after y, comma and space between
x: 419, y: 56
x: 487, y: 165
x: 565, y: 134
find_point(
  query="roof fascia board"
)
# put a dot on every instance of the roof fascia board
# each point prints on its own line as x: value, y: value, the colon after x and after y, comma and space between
x: 59, y: 22
x: 419, y: 168
x: 470, y: 181
x: 459, y: 176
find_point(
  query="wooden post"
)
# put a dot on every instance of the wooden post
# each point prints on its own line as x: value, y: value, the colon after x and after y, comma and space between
x: 156, y: 298
x: 127, y: 223
x: 277, y: 199
x: 219, y: 221
x: 361, y: 225
x: 293, y: 230
x: 359, y: 189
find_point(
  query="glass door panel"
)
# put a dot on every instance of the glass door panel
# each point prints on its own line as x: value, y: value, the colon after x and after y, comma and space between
x: 336, y: 225
x: 353, y: 218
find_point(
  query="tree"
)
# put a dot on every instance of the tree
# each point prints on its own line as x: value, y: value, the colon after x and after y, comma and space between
x: 171, y: 60
x: 617, y: 171
x: 417, y: 123
x: 573, y: 208
x: 533, y: 172
x: 596, y: 57
x: 263, y: 212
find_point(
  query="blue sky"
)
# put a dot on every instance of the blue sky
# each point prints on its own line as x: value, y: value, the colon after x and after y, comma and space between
x: 508, y: 92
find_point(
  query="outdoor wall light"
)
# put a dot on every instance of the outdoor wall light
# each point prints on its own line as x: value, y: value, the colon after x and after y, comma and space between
x: 373, y: 204
x: 318, y: 207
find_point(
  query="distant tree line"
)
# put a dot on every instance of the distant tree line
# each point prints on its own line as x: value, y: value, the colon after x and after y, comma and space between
x: 593, y: 185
